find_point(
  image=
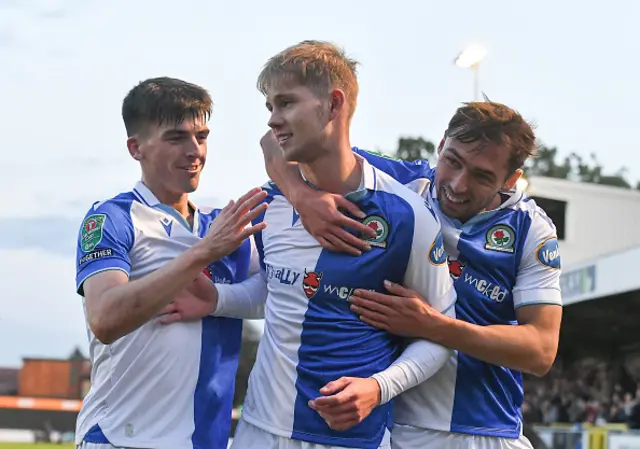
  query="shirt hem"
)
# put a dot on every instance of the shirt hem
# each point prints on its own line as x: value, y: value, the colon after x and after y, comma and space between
x: 315, y: 438
x: 468, y: 430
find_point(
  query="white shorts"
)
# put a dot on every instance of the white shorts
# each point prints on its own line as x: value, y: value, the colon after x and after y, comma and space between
x: 409, y: 437
x: 85, y: 445
x: 248, y: 436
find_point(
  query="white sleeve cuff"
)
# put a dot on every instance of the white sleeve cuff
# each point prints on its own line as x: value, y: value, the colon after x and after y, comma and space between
x: 537, y: 296
x: 417, y: 363
x: 245, y: 300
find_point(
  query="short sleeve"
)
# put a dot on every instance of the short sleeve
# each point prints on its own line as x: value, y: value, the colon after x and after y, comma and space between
x: 427, y: 271
x: 105, y: 239
x: 538, y: 278
x: 415, y: 175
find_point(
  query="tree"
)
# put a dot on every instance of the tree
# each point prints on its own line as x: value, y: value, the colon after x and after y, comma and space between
x: 546, y: 163
x: 574, y: 167
x: 411, y: 149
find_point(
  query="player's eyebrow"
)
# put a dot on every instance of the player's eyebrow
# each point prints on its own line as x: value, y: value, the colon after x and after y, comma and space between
x: 183, y: 132
x: 486, y: 173
x: 174, y: 132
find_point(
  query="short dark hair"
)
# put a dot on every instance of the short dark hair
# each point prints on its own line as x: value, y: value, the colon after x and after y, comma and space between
x: 163, y: 100
x: 490, y: 122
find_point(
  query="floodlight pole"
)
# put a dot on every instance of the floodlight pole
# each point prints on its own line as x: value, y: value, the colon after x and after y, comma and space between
x: 476, y: 81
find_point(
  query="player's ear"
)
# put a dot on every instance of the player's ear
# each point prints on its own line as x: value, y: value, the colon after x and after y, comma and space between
x: 337, y: 102
x: 133, y: 144
x: 512, y: 180
x: 441, y: 145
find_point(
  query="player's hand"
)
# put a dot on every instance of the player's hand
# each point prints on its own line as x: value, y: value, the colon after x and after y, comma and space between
x: 230, y: 228
x: 347, y: 401
x: 403, y: 312
x: 321, y: 216
x: 320, y: 213
x: 195, y: 302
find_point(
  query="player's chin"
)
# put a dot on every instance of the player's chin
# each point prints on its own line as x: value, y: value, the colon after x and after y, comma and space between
x: 455, y: 211
x: 191, y: 184
x: 291, y: 153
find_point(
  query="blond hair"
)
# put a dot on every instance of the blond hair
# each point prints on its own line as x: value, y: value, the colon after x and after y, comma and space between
x: 320, y: 66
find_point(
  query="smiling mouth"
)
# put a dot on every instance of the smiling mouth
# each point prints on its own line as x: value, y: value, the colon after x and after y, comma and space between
x: 193, y: 169
x: 282, y: 138
x: 454, y: 198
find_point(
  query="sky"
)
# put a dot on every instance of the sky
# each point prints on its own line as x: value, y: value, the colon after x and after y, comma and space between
x: 66, y: 65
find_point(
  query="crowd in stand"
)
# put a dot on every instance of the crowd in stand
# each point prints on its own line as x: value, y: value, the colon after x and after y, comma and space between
x: 587, y: 393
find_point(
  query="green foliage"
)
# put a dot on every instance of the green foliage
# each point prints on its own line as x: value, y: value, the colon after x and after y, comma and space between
x: 547, y: 163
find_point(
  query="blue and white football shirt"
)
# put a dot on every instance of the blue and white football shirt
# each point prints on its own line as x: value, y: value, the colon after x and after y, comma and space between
x: 500, y: 260
x: 311, y: 336
x: 161, y: 386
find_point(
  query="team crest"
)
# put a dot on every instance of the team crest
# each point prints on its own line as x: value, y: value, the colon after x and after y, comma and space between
x: 91, y: 234
x: 456, y: 268
x: 311, y: 283
x: 501, y: 238
x: 381, y: 227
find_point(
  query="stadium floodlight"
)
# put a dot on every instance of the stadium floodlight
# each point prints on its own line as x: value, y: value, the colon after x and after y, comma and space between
x: 471, y: 57
x: 522, y: 184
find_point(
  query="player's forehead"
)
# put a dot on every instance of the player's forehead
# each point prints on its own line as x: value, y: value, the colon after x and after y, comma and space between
x: 189, y: 124
x: 480, y: 156
x: 283, y: 87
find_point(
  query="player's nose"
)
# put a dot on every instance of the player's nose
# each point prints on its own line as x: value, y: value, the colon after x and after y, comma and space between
x: 459, y: 183
x: 275, y: 120
x: 194, y: 148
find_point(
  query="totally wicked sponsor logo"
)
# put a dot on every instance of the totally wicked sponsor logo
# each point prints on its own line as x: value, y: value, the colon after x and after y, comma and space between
x: 488, y: 289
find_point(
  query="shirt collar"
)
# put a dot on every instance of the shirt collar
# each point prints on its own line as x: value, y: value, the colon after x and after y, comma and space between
x: 146, y: 195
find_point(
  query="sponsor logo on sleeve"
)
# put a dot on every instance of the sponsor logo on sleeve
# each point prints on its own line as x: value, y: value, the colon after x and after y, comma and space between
x: 92, y: 230
x: 548, y: 253
x: 95, y: 255
x: 437, y: 255
x: 501, y: 238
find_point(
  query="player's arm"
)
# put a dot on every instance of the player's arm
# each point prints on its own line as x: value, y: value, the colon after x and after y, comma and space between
x: 353, y: 399
x: 117, y: 306
x: 245, y: 300
x: 428, y: 274
x: 319, y: 211
x: 532, y: 345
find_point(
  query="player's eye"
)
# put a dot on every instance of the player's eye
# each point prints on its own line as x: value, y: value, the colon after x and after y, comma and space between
x: 453, y: 162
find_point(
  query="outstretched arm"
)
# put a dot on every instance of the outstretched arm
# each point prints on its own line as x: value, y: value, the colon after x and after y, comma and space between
x: 530, y: 346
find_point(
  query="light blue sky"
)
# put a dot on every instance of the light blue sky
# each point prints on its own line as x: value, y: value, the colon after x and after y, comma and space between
x: 66, y: 65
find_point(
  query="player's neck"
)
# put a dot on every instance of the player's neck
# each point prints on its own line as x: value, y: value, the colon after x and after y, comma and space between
x: 335, y: 172
x: 178, y: 201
